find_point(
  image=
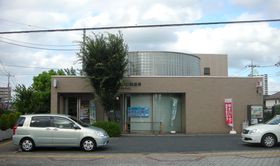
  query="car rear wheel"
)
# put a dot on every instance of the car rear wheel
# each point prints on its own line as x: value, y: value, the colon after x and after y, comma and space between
x: 27, y: 144
x: 268, y: 140
x: 88, y: 144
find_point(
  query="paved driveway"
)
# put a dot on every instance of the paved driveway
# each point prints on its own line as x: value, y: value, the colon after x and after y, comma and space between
x: 163, y: 144
x: 211, y: 150
x: 180, y: 144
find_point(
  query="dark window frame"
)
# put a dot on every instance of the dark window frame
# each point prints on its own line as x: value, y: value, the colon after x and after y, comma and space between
x: 20, y: 121
x: 62, y: 127
x: 207, y: 71
x: 35, y: 122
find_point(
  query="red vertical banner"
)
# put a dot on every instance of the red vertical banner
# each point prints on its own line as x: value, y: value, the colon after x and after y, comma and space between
x: 229, y: 112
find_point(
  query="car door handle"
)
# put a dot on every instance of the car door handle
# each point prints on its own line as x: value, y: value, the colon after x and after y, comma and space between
x: 55, y: 129
x: 48, y: 129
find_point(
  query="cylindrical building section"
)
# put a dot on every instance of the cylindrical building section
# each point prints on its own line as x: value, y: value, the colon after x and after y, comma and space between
x: 161, y: 63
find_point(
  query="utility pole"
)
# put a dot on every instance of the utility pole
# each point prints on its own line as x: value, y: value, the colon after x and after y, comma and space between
x: 9, y: 90
x: 252, y: 66
x: 84, y: 41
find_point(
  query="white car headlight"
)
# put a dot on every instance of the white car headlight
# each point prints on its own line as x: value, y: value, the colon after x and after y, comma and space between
x: 254, y: 131
x: 100, y: 134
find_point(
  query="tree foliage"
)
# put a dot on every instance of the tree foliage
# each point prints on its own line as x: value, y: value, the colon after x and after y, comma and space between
x: 104, y: 62
x: 25, y: 99
x: 42, y: 88
x: 36, y: 98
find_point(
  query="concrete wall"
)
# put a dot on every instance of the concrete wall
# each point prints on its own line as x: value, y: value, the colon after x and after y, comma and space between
x: 204, y: 97
x: 217, y: 63
x: 66, y: 84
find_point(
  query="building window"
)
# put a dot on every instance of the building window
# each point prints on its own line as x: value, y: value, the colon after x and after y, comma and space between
x: 207, y: 71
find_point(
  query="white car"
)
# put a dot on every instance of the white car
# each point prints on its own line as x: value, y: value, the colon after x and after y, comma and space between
x: 267, y: 134
x: 44, y: 130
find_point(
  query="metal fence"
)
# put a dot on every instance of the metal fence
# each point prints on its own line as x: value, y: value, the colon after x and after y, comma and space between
x: 147, y: 127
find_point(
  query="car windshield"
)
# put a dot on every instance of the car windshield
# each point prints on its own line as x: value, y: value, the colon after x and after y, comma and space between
x: 79, y: 122
x: 274, y: 121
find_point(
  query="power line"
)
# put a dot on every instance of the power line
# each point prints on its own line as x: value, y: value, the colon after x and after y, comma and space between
x: 37, y: 44
x: 20, y: 23
x: 19, y: 74
x: 4, y: 71
x: 143, y: 26
x: 40, y: 48
x: 35, y: 67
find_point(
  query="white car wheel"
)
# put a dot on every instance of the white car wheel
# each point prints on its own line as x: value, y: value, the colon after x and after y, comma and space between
x: 88, y: 144
x: 268, y: 140
x: 27, y: 145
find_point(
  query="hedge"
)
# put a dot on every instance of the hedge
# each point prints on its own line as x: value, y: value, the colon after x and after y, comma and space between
x: 112, y: 128
x: 8, y: 119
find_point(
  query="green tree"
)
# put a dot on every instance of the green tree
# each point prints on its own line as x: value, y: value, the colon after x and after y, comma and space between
x: 25, y: 100
x: 42, y: 87
x: 70, y: 72
x: 277, y: 109
x: 36, y: 98
x: 104, y: 63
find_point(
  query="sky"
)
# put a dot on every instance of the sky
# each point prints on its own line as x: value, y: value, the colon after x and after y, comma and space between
x: 26, y: 55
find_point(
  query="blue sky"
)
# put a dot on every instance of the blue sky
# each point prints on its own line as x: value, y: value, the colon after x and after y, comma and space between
x: 242, y: 43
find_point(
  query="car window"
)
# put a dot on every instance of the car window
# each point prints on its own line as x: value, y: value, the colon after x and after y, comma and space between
x: 62, y: 123
x: 79, y: 122
x: 274, y: 121
x: 40, y: 121
x: 20, y: 121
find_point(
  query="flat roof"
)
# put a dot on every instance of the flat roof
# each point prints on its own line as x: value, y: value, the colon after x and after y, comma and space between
x: 135, y: 76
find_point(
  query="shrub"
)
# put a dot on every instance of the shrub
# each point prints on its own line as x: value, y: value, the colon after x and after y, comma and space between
x: 8, y: 119
x: 17, y: 114
x: 112, y: 128
x: 277, y: 109
x: 11, y: 119
x: 4, y: 124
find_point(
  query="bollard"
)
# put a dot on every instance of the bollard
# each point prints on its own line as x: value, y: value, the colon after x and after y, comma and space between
x: 128, y: 127
x: 160, y: 128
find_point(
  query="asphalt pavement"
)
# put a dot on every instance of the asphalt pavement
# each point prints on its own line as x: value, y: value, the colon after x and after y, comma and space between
x: 164, y: 144
x: 194, y: 150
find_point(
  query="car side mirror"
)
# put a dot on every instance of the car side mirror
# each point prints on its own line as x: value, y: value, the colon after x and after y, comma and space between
x: 76, y: 127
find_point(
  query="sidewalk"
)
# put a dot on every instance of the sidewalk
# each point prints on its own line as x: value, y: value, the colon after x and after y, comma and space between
x: 250, y: 158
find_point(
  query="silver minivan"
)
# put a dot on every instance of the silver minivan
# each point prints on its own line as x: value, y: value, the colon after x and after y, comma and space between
x: 48, y: 130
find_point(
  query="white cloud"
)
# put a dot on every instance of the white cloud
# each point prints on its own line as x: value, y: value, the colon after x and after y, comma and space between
x: 273, y: 86
x: 268, y: 8
x: 163, y: 13
x: 242, y: 43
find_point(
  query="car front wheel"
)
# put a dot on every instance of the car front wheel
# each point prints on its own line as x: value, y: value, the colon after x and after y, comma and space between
x: 27, y: 145
x: 88, y: 144
x: 268, y: 140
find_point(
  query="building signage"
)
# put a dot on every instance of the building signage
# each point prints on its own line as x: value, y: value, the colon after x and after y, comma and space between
x: 138, y: 112
x: 256, y: 114
x: 174, y: 110
x: 229, y: 112
x: 92, y: 112
x: 128, y: 85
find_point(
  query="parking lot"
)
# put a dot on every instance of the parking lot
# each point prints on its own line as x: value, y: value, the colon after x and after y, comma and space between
x: 150, y: 150
x: 161, y: 144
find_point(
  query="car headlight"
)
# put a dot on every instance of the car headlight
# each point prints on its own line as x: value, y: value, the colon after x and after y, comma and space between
x: 100, y: 134
x: 254, y: 131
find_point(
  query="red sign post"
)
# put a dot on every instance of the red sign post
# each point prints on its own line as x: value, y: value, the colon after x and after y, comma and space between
x: 229, y: 112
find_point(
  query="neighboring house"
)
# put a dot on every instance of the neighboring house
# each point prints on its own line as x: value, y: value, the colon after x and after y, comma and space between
x: 5, y: 94
x: 271, y: 100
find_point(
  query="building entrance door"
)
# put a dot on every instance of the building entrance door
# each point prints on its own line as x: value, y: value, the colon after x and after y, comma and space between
x: 82, y: 108
x: 71, y: 106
